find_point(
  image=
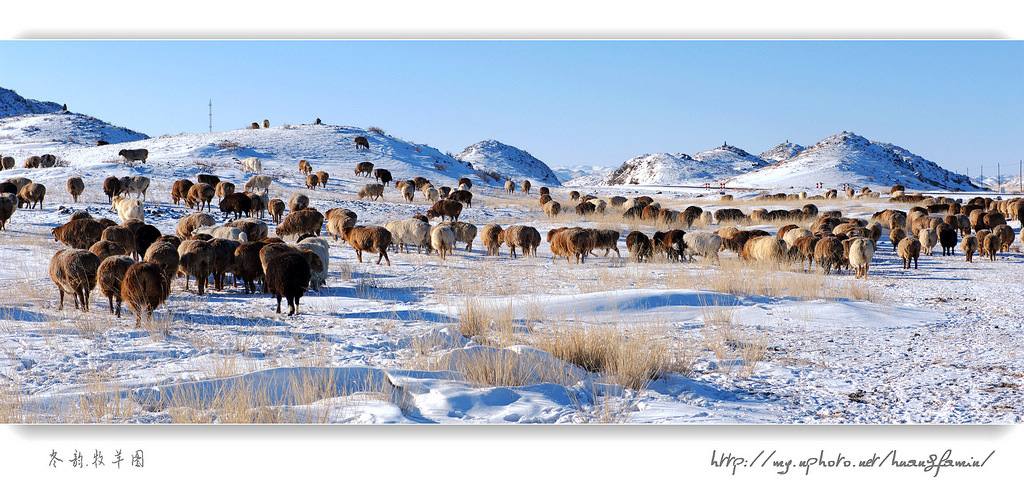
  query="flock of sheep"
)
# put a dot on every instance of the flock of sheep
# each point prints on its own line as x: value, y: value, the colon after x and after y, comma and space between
x: 134, y: 263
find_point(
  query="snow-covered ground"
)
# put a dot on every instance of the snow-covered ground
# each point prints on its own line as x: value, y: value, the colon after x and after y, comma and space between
x: 381, y: 344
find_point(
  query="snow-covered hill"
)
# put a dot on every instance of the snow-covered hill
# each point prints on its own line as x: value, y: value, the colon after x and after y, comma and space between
x: 680, y: 169
x: 849, y: 158
x: 491, y: 157
x: 567, y: 173
x: 12, y: 104
x: 31, y: 124
x: 782, y: 152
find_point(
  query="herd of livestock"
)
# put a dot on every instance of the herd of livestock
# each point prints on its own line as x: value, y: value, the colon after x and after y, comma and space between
x: 133, y: 263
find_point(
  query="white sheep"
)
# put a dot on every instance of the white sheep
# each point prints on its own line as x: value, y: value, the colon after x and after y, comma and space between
x: 861, y: 251
x: 320, y: 247
x: 128, y: 209
x: 463, y: 187
x: 407, y: 192
x: 135, y: 184
x: 252, y: 165
x: 432, y: 195
x: 260, y: 182
x: 791, y: 235
x: 228, y: 232
x: 928, y: 238
x: 707, y: 245
x: 411, y: 231
x: 442, y: 239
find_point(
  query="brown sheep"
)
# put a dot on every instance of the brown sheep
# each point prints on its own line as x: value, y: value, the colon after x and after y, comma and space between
x: 606, y: 239
x: 462, y: 196
x: 909, y: 249
x: 445, y: 208
x: 895, y: 236
x: 639, y: 246
x: 257, y: 204
x: 526, y: 186
x: 223, y: 189
x: 179, y: 191
x: 248, y: 266
x: 525, y: 237
x: 209, y: 179
x: 298, y: 202
x: 544, y: 199
x: 200, y: 194
x: 109, y: 276
x: 196, y: 258
x: 373, y: 239
x: 276, y: 209
x: 365, y: 168
x: 224, y: 260
x: 287, y: 275
x: 301, y: 222
x: 575, y: 242
x: 144, y: 287
x: 489, y: 236
x: 78, y: 234
x: 31, y: 194
x: 322, y: 177
x: 466, y: 181
x: 8, y: 204
x: 104, y: 249
x: 374, y: 191
x: 75, y: 187
x: 383, y: 176
x: 74, y: 271
x: 32, y: 162
x: 829, y: 253
x: 254, y: 229
x: 361, y: 142
x: 112, y: 187
x: 464, y: 232
x: 189, y: 223
x: 122, y: 236
x: 990, y: 245
x: 7, y: 162
x: 552, y: 208
x: 419, y: 182
x: 969, y: 245
x: 803, y: 249
x: 305, y: 167
x: 237, y: 203
x: 1005, y: 234
x: 312, y: 181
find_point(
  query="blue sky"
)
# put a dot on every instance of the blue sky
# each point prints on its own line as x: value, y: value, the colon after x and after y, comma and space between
x: 958, y: 103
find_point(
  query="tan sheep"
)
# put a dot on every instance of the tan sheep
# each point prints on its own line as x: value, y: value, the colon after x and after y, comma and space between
x: 31, y: 194
x: 75, y: 187
x: 490, y: 237
x: 928, y: 238
x: 373, y: 190
x: 861, y: 252
x: 373, y: 239
x: 189, y: 223
x: 909, y: 249
x: 200, y: 194
x: 276, y: 209
x: 74, y: 271
x: 144, y: 288
x: 196, y: 258
x: 442, y: 239
x: 969, y: 245
x: 527, y: 238
x: 224, y: 188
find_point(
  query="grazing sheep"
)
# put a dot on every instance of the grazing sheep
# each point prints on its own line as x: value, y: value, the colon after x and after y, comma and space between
x: 236, y: 203
x: 420, y: 181
x: 462, y: 196
x: 19, y: 183
x: 196, y: 258
x: 947, y: 238
x: 302, y: 222
x: 403, y: 232
x: 47, y: 161
x: 266, y: 123
x: 829, y: 253
x: 639, y: 246
x: 137, y: 185
x: 373, y: 191
x: 338, y: 219
x: 444, y: 192
x: 131, y: 155
x: 467, y: 182
x: 224, y: 189
x: 1005, y: 235
x: 322, y: 177
x: 383, y: 176
x: 407, y: 193
x: 31, y: 194
x: 109, y: 275
x: 575, y: 242
x: 606, y: 239
x: 248, y: 266
x: 260, y: 182
x: 445, y: 208
x: 442, y: 239
x: 525, y: 237
x: 209, y: 179
x: 144, y: 287
x: 32, y: 162
x: 364, y: 168
x: 526, y: 186
x: 464, y: 232
x: 288, y: 276
x: 490, y: 237
x: 312, y: 181
x: 8, y: 205
x: 254, y: 125
x: 792, y: 235
x: 252, y: 165
x: 552, y: 208
x: 78, y: 234
x: 895, y: 236
x: 104, y: 249
x: 253, y: 229
x: 706, y: 245
x: 673, y: 244
x: 305, y: 167
x: 128, y: 209
x: 198, y: 195
x: 257, y: 204
x: 803, y: 249
x: 361, y: 142
x: 298, y: 202
x: 969, y: 245
x: 373, y: 239
x: 122, y: 236
x: 224, y: 259
x: 544, y: 199
x: 75, y: 187
x: 510, y: 187
x: 928, y: 238
x: 584, y: 208
x: 74, y: 271
x: 276, y: 209
x: 189, y: 223
x: 861, y: 252
x: 432, y: 195
x: 179, y: 191
x: 909, y: 249
x: 165, y: 255
x: 7, y: 162
x: 226, y: 232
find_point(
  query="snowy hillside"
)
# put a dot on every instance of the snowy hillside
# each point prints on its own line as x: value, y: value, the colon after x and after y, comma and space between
x: 849, y: 158
x: 782, y: 152
x: 493, y: 157
x: 567, y: 173
x: 683, y: 170
x: 12, y: 104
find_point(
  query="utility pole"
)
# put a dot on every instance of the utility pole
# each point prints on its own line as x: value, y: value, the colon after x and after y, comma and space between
x: 999, y: 179
x: 211, y: 114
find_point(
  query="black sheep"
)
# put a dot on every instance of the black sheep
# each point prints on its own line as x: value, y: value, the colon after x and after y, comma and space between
x: 236, y: 203
x: 288, y: 276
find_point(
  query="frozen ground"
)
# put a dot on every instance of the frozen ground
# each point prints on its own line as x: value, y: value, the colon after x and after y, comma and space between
x: 379, y: 344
